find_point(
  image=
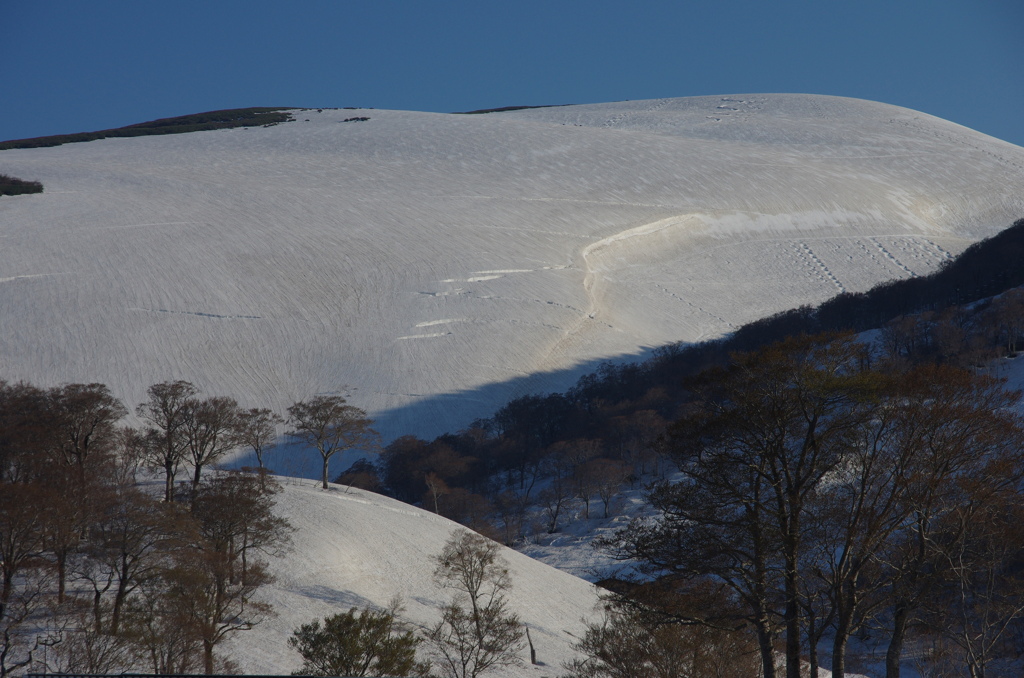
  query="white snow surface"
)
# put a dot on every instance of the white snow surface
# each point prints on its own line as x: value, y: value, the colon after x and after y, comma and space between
x: 436, y: 265
x: 358, y: 549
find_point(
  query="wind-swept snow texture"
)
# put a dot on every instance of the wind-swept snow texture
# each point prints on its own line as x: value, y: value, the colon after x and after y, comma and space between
x: 437, y: 265
x: 359, y: 549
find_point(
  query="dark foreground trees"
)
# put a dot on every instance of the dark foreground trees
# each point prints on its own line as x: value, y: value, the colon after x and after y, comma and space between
x: 96, y: 574
x: 632, y: 642
x: 818, y: 490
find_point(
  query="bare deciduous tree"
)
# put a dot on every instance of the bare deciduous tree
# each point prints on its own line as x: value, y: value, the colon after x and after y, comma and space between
x: 1005, y: 317
x: 82, y: 648
x: 165, y: 412
x: 983, y: 596
x: 330, y: 425
x: 511, y: 508
x: 257, y: 430
x: 211, y: 430
x: 608, y: 475
x: 125, y: 551
x: 23, y: 579
x: 86, y: 417
x: 436, y: 487
x: 234, y: 513
x: 753, y: 449
x: 469, y: 640
x: 208, y: 604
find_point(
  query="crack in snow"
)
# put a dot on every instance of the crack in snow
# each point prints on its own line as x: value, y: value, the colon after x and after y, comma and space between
x: 199, y: 313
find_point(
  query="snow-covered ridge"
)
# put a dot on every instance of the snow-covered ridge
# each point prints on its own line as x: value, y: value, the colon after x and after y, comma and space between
x: 437, y: 265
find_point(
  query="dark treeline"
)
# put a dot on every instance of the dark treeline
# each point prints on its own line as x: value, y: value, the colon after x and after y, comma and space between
x: 197, y: 122
x: 603, y: 431
x: 824, y: 494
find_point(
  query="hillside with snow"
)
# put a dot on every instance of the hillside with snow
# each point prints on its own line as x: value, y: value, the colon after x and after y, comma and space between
x: 436, y: 265
x: 358, y: 549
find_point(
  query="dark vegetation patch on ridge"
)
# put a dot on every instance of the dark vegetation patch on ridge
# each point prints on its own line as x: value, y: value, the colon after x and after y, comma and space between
x: 197, y: 122
x: 13, y: 186
x: 505, y: 109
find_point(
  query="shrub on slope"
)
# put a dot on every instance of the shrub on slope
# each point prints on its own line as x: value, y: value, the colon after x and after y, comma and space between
x: 13, y: 186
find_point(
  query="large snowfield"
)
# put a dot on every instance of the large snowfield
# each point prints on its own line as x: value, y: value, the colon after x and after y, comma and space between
x: 434, y: 265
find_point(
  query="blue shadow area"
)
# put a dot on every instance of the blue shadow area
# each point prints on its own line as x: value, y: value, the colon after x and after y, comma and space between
x: 433, y: 415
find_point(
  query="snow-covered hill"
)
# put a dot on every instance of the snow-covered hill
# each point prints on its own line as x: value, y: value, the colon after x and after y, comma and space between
x: 437, y: 265
x: 357, y: 549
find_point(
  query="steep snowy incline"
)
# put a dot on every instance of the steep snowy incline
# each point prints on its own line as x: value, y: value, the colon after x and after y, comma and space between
x: 437, y: 265
x: 359, y: 549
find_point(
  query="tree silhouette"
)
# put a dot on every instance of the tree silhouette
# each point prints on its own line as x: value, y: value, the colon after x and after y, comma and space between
x: 330, y: 425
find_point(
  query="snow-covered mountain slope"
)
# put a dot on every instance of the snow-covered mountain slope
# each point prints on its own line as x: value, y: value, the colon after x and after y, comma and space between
x: 437, y: 265
x: 357, y: 549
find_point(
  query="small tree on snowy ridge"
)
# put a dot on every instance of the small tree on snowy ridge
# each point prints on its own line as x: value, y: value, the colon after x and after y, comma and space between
x: 330, y: 425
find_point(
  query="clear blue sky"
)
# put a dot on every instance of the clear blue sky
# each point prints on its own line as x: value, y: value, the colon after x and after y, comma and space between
x: 72, y: 66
